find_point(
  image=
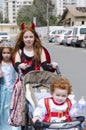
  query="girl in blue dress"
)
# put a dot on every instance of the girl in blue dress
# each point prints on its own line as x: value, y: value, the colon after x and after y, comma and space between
x: 7, y: 80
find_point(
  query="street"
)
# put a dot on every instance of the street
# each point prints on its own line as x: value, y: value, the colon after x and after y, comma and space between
x: 72, y: 64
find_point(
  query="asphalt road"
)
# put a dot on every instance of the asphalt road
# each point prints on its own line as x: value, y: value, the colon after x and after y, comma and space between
x: 72, y: 64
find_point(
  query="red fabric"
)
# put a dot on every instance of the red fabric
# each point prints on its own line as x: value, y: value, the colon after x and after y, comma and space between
x: 16, y: 105
x: 56, y: 114
x: 48, y: 59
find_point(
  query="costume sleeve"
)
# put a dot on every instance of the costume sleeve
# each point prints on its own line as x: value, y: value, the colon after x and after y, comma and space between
x: 16, y: 66
x: 40, y: 110
x: 45, y: 66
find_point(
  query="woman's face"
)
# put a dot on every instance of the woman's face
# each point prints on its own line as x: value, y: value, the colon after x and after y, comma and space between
x: 28, y: 38
x: 60, y: 95
x: 6, y: 54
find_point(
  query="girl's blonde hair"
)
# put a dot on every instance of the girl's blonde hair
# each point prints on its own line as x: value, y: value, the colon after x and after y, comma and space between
x: 61, y: 83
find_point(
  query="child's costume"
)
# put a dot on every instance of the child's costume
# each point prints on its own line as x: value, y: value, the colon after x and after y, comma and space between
x: 50, y: 111
x: 6, y: 89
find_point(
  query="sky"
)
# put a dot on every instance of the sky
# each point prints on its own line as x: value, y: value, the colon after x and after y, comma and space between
x: 1, y: 2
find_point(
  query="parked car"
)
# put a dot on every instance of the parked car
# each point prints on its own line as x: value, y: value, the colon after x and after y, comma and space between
x: 78, y: 35
x: 4, y: 36
x: 52, y: 34
x: 59, y: 38
x: 68, y: 37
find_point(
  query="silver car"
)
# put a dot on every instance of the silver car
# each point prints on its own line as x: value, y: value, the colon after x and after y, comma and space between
x: 68, y: 37
x: 52, y: 34
x: 4, y: 36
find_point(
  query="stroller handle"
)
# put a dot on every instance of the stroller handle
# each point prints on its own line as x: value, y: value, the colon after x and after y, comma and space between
x: 60, y: 125
x: 57, y: 69
x: 50, y: 65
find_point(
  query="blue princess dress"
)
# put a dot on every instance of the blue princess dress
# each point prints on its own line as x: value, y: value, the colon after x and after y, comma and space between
x: 6, y: 89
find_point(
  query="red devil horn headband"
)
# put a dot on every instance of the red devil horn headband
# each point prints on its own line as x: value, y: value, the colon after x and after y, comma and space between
x: 22, y: 26
x: 33, y: 25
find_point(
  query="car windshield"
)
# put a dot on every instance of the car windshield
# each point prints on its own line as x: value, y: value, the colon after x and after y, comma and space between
x: 3, y: 33
x: 83, y: 31
x: 68, y: 33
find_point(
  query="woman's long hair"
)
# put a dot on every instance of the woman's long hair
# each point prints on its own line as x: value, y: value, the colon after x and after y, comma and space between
x: 37, y: 43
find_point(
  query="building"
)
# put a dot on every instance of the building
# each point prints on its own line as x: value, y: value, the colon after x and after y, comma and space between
x: 60, y: 5
x: 74, y: 16
x: 81, y: 3
x: 11, y: 7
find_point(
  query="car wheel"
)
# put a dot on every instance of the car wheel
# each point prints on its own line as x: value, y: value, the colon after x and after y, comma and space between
x: 53, y: 40
x: 82, y: 44
x: 65, y: 44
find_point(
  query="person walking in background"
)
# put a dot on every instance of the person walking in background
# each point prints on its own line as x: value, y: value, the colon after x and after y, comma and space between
x: 7, y: 80
x: 29, y: 53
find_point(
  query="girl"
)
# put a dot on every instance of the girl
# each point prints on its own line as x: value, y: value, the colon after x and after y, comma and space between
x: 58, y: 107
x: 7, y: 80
x: 29, y: 53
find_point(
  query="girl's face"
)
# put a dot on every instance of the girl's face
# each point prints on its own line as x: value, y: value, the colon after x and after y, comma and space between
x: 28, y: 38
x: 60, y: 95
x: 6, y: 54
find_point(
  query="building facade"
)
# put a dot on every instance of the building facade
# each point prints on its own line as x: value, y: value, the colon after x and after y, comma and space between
x: 74, y: 16
x: 10, y: 8
x: 61, y: 5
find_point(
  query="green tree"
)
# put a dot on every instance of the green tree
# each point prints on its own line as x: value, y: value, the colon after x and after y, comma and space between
x: 53, y: 20
x: 1, y: 17
x: 38, y: 10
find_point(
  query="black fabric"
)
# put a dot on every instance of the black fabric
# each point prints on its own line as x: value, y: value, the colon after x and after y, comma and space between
x: 16, y: 66
x: 47, y: 67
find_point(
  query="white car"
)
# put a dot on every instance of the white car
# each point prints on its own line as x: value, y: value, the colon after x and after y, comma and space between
x: 52, y: 34
x: 78, y: 35
x: 68, y: 37
x: 59, y: 38
x: 4, y: 36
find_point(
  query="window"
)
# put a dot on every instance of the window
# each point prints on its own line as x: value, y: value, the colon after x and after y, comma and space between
x: 82, y: 22
x: 83, y: 31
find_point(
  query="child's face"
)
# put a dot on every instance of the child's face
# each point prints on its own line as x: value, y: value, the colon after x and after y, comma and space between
x: 60, y: 95
x: 28, y: 38
x: 6, y: 54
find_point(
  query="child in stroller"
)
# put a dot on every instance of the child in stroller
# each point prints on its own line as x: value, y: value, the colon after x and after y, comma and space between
x: 54, y: 107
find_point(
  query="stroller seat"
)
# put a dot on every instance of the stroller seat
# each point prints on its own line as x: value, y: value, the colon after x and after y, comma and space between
x: 37, y: 84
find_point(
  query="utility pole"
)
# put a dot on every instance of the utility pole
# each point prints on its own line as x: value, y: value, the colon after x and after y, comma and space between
x: 48, y: 19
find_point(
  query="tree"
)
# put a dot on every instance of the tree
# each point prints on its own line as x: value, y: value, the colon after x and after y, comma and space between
x: 1, y: 17
x: 38, y: 10
x: 53, y: 20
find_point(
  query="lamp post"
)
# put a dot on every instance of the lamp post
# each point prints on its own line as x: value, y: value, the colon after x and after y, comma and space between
x: 48, y: 19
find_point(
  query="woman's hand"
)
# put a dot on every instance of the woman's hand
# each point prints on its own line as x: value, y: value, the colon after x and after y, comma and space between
x: 36, y: 118
x: 23, y: 66
x: 54, y: 65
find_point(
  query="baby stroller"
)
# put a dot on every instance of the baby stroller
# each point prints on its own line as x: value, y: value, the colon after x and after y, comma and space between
x: 36, y: 87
